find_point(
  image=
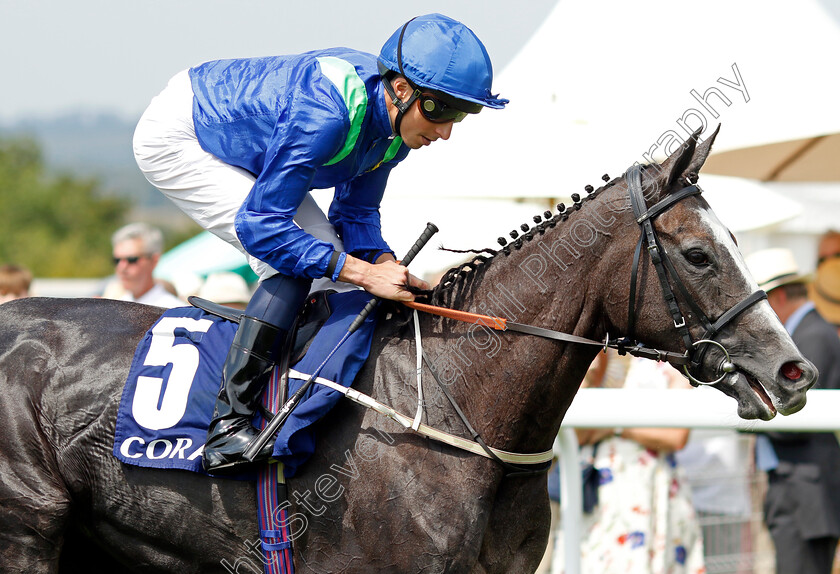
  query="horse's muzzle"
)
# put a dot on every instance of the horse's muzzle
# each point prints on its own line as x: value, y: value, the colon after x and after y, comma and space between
x: 761, y: 396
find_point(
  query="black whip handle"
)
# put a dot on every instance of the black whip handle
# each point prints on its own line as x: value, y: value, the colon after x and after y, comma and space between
x: 427, y: 234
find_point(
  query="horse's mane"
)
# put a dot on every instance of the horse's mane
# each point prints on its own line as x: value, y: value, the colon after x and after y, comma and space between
x: 458, y: 281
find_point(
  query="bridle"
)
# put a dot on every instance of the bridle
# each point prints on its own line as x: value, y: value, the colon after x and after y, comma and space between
x: 695, y: 350
x: 665, y: 271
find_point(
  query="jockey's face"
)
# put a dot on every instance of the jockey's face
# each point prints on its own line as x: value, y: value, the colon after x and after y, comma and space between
x: 415, y: 130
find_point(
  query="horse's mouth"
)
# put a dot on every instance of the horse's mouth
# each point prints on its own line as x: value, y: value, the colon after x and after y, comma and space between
x: 754, y: 402
x: 758, y: 388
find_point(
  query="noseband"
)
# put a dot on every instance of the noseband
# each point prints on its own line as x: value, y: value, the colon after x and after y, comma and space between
x: 695, y: 350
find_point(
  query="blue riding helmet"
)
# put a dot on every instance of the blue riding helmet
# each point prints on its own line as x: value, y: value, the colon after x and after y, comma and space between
x: 440, y: 55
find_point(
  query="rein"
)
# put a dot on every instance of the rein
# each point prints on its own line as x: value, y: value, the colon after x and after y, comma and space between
x: 502, y: 324
x: 666, y: 273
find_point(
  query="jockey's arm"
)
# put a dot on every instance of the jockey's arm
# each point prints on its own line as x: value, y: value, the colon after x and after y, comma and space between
x: 385, y: 278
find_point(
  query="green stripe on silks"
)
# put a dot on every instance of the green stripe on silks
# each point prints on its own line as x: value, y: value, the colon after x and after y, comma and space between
x: 392, y: 149
x: 352, y: 89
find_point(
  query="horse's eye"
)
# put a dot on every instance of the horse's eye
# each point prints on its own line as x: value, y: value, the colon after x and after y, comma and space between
x: 696, y: 257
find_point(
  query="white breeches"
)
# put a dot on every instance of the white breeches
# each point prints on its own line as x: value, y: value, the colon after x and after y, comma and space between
x: 205, y: 188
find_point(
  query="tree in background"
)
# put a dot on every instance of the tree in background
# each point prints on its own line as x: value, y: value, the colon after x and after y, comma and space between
x: 57, y: 225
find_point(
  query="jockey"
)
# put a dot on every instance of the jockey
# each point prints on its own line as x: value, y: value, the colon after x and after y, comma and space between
x: 238, y: 144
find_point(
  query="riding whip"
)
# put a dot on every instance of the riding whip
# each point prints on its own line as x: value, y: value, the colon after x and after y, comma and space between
x: 279, y: 419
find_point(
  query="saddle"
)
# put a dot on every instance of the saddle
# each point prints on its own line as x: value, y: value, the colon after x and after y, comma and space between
x: 312, y: 316
x: 167, y: 401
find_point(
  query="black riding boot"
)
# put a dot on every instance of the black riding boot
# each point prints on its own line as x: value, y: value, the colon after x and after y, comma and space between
x: 255, y: 349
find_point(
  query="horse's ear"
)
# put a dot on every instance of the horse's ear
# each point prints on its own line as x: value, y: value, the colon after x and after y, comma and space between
x: 689, y: 158
x: 678, y: 162
x: 702, y: 152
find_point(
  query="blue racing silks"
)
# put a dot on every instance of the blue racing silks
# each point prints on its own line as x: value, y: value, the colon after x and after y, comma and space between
x: 300, y: 122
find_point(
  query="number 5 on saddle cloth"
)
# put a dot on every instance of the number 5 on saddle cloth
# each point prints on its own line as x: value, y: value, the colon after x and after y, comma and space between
x: 171, y: 388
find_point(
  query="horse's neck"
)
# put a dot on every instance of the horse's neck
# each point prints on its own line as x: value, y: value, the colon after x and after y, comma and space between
x: 515, y: 387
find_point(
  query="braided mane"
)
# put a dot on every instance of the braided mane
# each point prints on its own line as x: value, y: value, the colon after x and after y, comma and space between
x: 458, y: 281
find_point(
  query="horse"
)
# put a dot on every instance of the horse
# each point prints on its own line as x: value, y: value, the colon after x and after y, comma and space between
x: 376, y: 497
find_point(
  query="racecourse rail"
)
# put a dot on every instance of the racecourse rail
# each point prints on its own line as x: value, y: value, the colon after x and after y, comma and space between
x: 676, y: 408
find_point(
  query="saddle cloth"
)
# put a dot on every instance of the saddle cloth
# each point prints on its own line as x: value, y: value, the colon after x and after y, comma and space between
x: 175, y: 376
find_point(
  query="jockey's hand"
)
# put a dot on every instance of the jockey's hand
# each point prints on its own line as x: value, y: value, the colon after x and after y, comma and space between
x: 385, y: 279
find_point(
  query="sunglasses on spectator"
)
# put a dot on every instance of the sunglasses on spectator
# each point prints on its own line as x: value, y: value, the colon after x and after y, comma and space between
x: 436, y: 111
x: 130, y: 260
x: 825, y: 258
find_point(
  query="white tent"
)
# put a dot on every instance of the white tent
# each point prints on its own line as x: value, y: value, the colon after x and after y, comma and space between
x: 603, y: 84
x: 606, y: 83
x: 464, y: 224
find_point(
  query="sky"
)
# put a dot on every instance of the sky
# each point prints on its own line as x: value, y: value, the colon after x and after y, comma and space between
x: 601, y: 84
x: 115, y: 55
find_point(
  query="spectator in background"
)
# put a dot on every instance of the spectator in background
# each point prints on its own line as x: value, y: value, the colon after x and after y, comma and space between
x: 187, y: 283
x: 226, y: 289
x: 14, y: 282
x: 137, y: 248
x: 829, y: 246
x: 718, y: 465
x: 644, y: 522
x: 825, y: 291
x: 802, y: 506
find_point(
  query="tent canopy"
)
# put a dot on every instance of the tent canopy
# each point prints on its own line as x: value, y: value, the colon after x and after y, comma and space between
x: 202, y: 255
x: 807, y: 159
x: 604, y: 84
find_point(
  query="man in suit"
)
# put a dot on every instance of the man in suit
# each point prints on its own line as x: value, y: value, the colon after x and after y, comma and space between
x: 802, y: 507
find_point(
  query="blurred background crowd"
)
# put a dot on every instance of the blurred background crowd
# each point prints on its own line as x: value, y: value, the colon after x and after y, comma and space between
x: 592, y: 86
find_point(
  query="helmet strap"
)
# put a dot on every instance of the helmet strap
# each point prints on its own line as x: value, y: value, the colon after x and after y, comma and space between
x: 402, y: 106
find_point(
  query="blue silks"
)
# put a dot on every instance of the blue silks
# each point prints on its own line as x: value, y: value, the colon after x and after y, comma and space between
x: 286, y: 119
x: 441, y: 53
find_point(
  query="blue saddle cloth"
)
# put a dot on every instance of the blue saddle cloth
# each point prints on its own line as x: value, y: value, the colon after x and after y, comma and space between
x: 175, y: 376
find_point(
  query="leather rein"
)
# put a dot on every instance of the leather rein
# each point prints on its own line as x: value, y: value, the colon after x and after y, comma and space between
x: 665, y: 270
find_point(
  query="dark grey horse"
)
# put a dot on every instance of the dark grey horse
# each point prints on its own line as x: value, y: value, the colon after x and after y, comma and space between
x: 375, y: 497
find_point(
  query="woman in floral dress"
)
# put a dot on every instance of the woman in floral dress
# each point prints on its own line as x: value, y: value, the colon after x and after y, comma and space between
x: 644, y: 522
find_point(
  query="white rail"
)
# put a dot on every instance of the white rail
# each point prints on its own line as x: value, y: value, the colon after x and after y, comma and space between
x: 694, y: 408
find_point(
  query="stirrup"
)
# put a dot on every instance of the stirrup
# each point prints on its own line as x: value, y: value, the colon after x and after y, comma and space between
x: 240, y: 464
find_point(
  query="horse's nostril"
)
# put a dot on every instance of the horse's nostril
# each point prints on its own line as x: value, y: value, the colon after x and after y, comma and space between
x: 791, y: 371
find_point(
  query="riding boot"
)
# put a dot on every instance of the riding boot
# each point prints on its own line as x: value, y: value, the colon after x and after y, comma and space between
x: 253, y: 353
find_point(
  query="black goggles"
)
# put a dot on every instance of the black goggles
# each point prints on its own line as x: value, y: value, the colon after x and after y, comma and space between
x: 437, y: 111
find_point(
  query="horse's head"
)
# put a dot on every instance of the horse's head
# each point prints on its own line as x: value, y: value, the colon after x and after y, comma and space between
x: 749, y: 355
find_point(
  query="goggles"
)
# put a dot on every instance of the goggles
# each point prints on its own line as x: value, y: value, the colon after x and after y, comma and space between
x: 437, y: 111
